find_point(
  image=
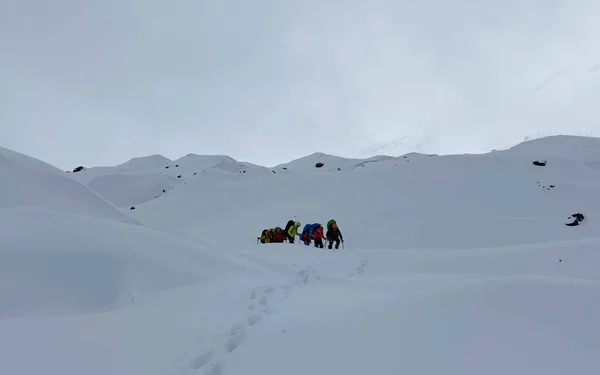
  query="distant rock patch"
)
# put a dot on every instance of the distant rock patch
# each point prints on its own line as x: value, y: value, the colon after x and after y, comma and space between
x: 539, y: 163
x: 79, y: 169
x: 575, y: 219
x: 546, y: 188
x: 132, y: 208
x: 319, y: 165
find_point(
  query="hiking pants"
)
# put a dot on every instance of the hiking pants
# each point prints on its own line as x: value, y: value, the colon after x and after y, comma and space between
x: 331, y: 241
x: 319, y: 242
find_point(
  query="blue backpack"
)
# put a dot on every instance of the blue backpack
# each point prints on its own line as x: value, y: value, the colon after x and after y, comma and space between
x: 305, y: 230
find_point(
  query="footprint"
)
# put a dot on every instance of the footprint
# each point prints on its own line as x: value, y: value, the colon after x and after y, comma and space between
x: 305, y: 273
x: 236, y: 329
x: 235, y: 341
x: 216, y: 369
x: 253, y: 319
x: 361, y: 269
x: 269, y: 289
x: 202, y: 360
x: 263, y: 301
x: 253, y: 295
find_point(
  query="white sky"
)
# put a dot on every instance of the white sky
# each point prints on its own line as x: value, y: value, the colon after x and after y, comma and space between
x: 267, y: 81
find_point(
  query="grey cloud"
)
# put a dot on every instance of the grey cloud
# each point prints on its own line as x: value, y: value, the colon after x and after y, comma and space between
x: 268, y: 81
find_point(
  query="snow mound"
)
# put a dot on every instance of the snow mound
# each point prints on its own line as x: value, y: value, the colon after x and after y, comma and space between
x: 144, y: 179
x: 196, y: 164
x: 131, y: 189
x: 55, y: 264
x: 146, y: 163
x: 30, y: 182
x: 319, y: 162
x: 583, y: 149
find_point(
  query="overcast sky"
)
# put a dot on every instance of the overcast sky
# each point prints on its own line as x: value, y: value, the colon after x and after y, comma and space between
x: 267, y: 81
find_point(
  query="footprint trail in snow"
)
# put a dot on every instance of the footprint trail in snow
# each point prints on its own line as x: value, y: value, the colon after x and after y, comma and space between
x: 262, y: 302
x: 260, y: 305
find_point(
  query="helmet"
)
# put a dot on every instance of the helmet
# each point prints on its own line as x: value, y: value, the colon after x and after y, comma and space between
x: 297, y: 224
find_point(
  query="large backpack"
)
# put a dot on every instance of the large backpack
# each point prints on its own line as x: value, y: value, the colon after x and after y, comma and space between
x: 266, y: 236
x: 305, y: 233
x: 289, y: 225
x: 278, y: 235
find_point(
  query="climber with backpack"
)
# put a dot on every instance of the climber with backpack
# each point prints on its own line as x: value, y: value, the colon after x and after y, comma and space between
x: 318, y: 236
x: 278, y: 236
x: 305, y: 237
x: 266, y: 236
x: 333, y: 234
x: 291, y: 230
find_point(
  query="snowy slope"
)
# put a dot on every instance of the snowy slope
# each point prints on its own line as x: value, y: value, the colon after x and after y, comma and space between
x: 143, y: 179
x: 30, y: 182
x: 451, y: 265
x: 463, y: 201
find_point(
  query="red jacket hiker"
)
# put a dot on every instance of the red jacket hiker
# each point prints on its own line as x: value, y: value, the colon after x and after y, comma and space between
x: 318, y: 236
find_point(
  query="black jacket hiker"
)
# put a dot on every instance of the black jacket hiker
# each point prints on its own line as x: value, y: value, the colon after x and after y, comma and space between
x: 334, y: 235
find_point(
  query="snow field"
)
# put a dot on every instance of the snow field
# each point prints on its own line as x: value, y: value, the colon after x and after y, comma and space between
x: 452, y: 264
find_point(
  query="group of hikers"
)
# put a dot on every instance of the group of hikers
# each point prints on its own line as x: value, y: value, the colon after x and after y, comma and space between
x: 310, y: 232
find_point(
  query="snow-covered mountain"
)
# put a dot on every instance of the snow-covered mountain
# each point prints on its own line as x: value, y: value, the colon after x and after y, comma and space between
x: 455, y: 264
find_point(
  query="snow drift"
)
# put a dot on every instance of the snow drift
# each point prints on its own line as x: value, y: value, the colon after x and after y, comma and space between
x: 55, y: 263
x: 30, y: 182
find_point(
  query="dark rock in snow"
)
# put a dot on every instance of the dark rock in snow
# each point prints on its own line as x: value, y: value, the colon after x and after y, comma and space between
x: 132, y: 208
x: 319, y: 165
x: 575, y: 219
x: 179, y: 176
x: 539, y: 163
x: 78, y: 169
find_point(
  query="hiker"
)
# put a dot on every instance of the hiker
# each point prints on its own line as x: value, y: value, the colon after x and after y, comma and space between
x: 305, y: 237
x: 266, y: 236
x: 291, y: 230
x: 278, y: 235
x: 333, y: 235
x: 318, y: 235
